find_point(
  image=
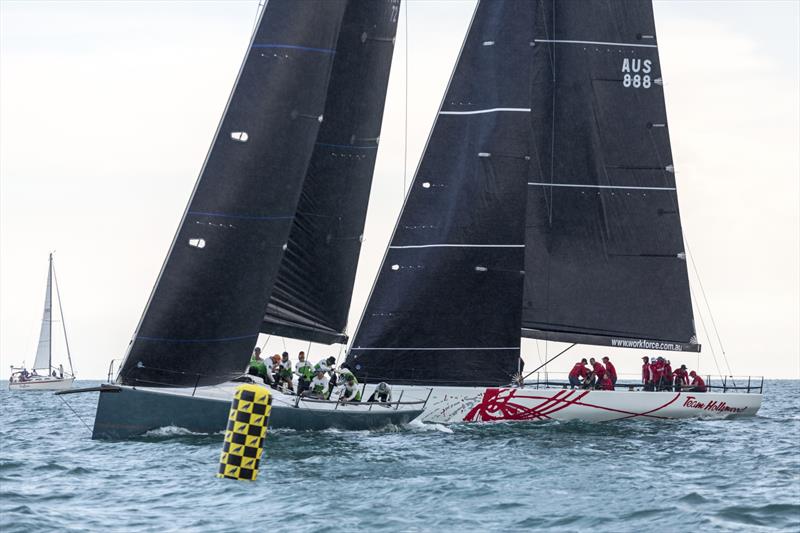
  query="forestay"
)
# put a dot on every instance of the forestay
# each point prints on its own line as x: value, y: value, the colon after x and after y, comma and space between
x: 445, y: 308
x: 604, y: 257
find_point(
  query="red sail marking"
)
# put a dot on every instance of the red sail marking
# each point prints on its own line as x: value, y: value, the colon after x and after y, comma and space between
x: 492, y: 402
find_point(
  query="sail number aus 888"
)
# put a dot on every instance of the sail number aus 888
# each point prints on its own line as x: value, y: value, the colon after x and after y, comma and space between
x: 636, y: 73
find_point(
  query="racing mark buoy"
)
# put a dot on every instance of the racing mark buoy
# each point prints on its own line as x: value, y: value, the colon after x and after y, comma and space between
x: 247, y: 429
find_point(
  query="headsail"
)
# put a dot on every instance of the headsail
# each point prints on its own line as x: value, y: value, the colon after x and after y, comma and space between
x: 604, y: 254
x: 44, y: 349
x: 312, y: 293
x: 204, y: 314
x: 445, y: 308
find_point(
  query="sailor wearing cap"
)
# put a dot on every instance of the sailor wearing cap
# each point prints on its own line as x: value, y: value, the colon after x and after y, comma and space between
x: 382, y: 393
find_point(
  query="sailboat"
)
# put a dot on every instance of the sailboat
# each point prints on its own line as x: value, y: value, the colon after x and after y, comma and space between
x: 544, y: 207
x: 43, y: 375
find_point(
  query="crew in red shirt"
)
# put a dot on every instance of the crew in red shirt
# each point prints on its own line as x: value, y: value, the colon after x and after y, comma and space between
x: 599, y: 371
x: 611, y: 372
x: 667, y: 375
x: 698, y: 385
x: 681, y: 378
x: 578, y: 373
x: 659, y: 374
x: 647, y: 373
x: 606, y: 383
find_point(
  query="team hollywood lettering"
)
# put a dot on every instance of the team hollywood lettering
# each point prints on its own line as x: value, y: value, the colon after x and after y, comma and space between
x: 631, y: 69
x: 713, y: 405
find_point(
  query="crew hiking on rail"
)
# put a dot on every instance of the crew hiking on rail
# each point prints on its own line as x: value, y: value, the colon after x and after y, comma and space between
x: 657, y: 375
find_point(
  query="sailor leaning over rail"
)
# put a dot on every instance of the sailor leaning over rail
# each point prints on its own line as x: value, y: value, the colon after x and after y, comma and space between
x: 349, y: 389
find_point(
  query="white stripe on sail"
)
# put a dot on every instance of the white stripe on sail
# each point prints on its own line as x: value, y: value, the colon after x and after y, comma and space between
x: 578, y: 185
x: 432, y: 349
x: 491, y: 110
x: 458, y: 246
x: 601, y: 43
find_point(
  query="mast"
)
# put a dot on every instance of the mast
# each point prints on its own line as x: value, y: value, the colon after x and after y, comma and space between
x: 445, y: 307
x: 50, y: 323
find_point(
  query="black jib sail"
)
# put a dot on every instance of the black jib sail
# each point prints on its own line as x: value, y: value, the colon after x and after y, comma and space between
x: 312, y: 294
x: 604, y: 256
x: 445, y: 308
x: 204, y: 314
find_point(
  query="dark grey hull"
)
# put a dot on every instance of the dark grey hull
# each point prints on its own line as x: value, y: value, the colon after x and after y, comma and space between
x: 130, y: 412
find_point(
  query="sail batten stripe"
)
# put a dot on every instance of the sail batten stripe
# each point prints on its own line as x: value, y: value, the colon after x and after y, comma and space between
x: 490, y: 110
x: 439, y: 349
x: 221, y: 339
x: 457, y: 246
x: 602, y: 43
x: 243, y: 217
x: 578, y: 185
x: 347, y: 146
x: 295, y: 47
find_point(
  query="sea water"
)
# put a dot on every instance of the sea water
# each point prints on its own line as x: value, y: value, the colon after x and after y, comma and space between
x: 708, y: 475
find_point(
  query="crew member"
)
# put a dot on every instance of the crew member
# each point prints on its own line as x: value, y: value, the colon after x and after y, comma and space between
x: 578, y: 373
x: 305, y: 373
x: 382, y: 393
x: 667, y: 375
x: 285, y: 371
x: 319, y: 386
x: 681, y: 378
x: 658, y: 373
x: 697, y: 385
x: 611, y: 372
x: 350, y: 392
x: 606, y: 383
x: 61, y: 371
x: 258, y: 367
x: 647, y: 374
x: 599, y: 372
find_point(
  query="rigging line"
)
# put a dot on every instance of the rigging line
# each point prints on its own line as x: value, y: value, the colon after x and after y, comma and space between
x: 405, y: 110
x: 708, y: 305
x: 264, y: 346
x: 705, y: 330
x: 565, y: 350
x: 76, y: 414
x: 63, y: 321
x: 258, y: 9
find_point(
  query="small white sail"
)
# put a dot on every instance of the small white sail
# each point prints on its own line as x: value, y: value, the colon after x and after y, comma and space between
x: 45, y: 336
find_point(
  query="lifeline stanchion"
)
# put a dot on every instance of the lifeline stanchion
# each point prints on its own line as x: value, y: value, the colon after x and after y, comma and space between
x: 245, y: 434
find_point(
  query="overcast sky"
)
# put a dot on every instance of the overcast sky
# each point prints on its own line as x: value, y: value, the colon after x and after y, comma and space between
x: 107, y: 110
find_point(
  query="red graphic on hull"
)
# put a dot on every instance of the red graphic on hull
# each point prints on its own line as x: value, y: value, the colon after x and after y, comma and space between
x: 503, y: 404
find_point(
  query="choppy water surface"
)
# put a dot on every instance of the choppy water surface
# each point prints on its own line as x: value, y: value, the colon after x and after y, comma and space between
x: 727, y: 475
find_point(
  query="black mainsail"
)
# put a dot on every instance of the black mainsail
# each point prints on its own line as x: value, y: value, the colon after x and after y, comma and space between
x: 445, y: 308
x: 544, y: 205
x: 208, y: 304
x: 312, y: 293
x: 604, y: 257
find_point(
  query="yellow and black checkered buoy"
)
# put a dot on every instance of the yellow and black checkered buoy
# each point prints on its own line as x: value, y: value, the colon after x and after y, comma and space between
x: 247, y: 429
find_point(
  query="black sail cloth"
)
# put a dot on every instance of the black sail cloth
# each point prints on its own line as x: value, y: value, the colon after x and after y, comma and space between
x: 203, y: 316
x: 445, y: 308
x: 312, y: 293
x: 604, y: 256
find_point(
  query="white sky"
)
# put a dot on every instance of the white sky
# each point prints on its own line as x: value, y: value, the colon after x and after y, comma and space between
x: 107, y: 110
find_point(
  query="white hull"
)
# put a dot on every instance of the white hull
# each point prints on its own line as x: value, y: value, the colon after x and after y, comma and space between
x: 42, y: 384
x: 461, y: 404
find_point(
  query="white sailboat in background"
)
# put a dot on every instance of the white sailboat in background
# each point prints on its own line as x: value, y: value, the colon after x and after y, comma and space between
x: 44, y: 376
